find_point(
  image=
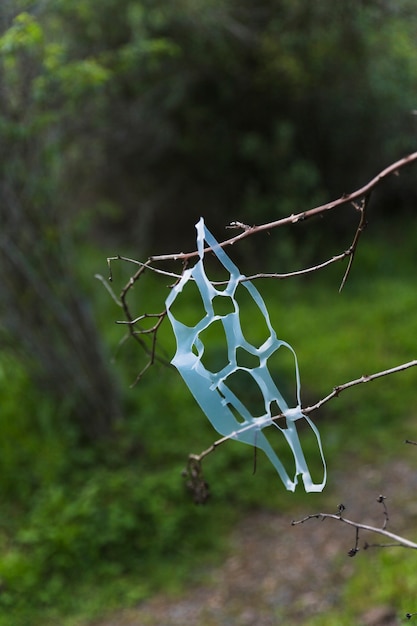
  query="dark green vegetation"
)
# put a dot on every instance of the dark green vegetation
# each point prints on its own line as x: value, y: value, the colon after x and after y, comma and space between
x: 114, y: 520
x: 121, y: 122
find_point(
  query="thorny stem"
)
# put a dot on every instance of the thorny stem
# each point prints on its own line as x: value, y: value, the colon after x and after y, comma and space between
x: 302, y: 216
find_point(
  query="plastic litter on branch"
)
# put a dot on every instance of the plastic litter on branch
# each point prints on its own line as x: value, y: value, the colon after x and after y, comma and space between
x: 210, y: 388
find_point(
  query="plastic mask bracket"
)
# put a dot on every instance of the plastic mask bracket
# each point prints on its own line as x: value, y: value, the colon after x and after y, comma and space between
x: 211, y: 390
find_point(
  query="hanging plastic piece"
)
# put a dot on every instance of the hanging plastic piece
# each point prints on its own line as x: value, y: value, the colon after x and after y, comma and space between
x: 211, y: 389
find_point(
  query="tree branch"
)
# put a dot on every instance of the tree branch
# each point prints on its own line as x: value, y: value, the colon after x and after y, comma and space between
x: 334, y: 394
x: 400, y: 541
x: 358, y: 381
x: 147, y: 337
x: 359, y: 199
x: 298, y: 217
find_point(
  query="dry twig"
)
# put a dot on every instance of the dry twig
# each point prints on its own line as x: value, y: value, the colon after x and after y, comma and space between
x: 399, y: 541
x: 350, y: 198
x: 147, y: 337
x: 334, y: 394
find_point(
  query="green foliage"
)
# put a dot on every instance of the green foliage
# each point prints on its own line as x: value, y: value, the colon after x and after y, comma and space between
x: 108, y: 518
x: 25, y: 35
x: 38, y: 290
x: 119, y: 515
x: 67, y: 518
x: 28, y: 417
x: 163, y: 85
x: 394, y: 580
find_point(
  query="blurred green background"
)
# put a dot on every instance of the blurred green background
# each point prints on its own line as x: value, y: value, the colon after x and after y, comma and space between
x: 121, y: 122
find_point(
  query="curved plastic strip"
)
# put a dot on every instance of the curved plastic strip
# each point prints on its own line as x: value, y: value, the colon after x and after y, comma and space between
x: 211, y: 390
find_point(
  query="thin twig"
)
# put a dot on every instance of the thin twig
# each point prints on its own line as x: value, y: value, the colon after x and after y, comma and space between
x: 143, y: 317
x: 302, y: 216
x: 147, y: 264
x: 135, y: 333
x: 218, y: 283
x: 302, y: 272
x: 361, y: 227
x: 381, y: 499
x: 358, y: 381
x: 139, y: 333
x: 336, y: 392
x: 400, y: 541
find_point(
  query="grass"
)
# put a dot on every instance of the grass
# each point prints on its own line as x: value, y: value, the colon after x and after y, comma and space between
x: 382, y: 579
x: 337, y: 337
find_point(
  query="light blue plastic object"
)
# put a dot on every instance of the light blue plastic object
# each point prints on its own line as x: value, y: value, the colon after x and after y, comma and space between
x: 211, y: 390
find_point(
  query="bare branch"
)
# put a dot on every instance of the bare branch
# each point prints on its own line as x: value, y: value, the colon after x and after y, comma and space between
x: 298, y: 217
x: 302, y: 272
x: 361, y: 227
x: 144, y: 317
x: 334, y: 394
x: 147, y: 337
x: 358, y: 381
x: 358, y: 199
x: 399, y: 540
x: 154, y: 269
x: 139, y: 334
